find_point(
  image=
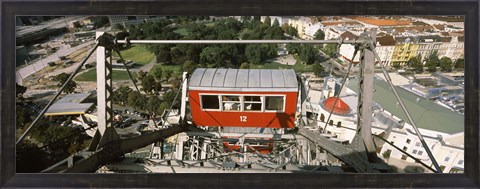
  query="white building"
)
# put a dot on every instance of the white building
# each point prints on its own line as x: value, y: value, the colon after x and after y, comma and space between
x: 441, y: 128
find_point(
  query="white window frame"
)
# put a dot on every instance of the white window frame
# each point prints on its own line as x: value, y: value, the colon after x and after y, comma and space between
x: 263, y: 99
x: 209, y: 94
x: 240, y: 98
x: 277, y: 111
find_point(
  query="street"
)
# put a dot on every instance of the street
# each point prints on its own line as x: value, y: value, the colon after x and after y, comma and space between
x: 39, y: 64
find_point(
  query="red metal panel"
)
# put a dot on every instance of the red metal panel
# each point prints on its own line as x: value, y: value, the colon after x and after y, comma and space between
x: 253, y: 119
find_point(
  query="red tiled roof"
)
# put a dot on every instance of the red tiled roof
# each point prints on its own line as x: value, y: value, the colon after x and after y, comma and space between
x: 341, y: 108
x: 386, y: 40
x: 348, y: 35
x: 382, y: 22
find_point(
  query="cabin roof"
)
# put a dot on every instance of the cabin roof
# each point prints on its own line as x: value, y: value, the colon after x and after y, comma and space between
x: 243, y: 79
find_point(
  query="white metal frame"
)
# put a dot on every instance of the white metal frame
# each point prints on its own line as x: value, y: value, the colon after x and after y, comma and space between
x: 242, y: 102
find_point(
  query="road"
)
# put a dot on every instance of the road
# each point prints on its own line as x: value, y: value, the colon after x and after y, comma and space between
x: 56, y: 23
x: 39, y: 64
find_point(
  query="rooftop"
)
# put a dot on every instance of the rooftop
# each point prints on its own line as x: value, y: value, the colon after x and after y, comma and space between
x: 70, y: 104
x: 382, y: 22
x: 425, y: 113
x: 243, y: 79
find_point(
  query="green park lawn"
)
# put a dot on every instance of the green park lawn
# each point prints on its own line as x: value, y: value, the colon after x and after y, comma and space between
x: 138, y: 54
x: 182, y: 31
x: 174, y: 68
x: 91, y: 75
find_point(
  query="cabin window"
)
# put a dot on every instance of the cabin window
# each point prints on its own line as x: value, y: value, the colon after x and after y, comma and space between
x: 210, y: 102
x: 274, y: 103
x: 231, y: 103
x: 252, y: 103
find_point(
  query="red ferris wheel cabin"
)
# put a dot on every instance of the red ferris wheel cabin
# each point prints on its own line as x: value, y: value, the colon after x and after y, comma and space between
x: 243, y: 97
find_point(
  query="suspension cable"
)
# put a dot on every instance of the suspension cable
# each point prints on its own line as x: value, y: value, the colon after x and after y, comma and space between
x: 65, y: 137
x: 56, y: 95
x: 417, y: 132
x: 131, y: 78
x: 341, y: 88
x: 171, y: 106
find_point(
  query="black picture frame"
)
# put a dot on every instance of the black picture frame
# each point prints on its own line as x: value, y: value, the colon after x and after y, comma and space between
x: 467, y: 8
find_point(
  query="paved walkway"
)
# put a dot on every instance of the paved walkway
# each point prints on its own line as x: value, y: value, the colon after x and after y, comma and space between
x: 149, y: 66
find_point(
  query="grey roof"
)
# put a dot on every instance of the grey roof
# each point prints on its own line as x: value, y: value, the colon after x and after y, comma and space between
x: 243, y: 79
x: 76, y: 97
x: 425, y: 113
x: 68, y: 108
x: 70, y: 104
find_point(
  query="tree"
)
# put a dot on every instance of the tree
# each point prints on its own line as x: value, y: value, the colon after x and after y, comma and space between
x: 29, y: 158
x: 19, y: 90
x: 62, y: 78
x: 319, y: 35
x: 276, y: 23
x: 169, y: 98
x: 175, y: 84
x: 293, y: 48
x: 433, y: 59
x: 99, y: 21
x: 290, y: 30
x: 245, y: 65
x: 253, y: 53
x: 330, y: 50
x: 135, y: 100
x: 148, y: 84
x: 158, y: 86
x: 397, y: 65
x: 157, y: 73
x: 141, y: 74
x: 118, y: 26
x: 308, y: 54
x: 167, y: 74
x: 216, y: 55
x: 152, y: 105
x: 22, y: 117
x: 121, y: 95
x: 431, y: 65
x: 77, y: 24
x: 162, y: 53
x: 188, y: 66
x: 415, y: 64
x: 163, y: 106
x: 267, y: 20
x: 446, y: 64
x: 459, y: 63
x: 318, y: 70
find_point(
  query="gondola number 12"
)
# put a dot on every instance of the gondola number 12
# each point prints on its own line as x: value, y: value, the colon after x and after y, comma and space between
x: 243, y: 118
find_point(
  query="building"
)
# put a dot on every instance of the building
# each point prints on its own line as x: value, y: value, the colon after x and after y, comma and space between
x: 71, y: 104
x: 404, y: 49
x: 442, y: 128
x: 130, y: 20
x: 300, y: 23
x: 384, y: 47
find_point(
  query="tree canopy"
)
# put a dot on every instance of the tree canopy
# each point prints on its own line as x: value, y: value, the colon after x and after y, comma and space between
x: 62, y: 78
x: 318, y: 70
x: 415, y: 64
x: 319, y: 35
x: 446, y: 64
x: 459, y: 64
